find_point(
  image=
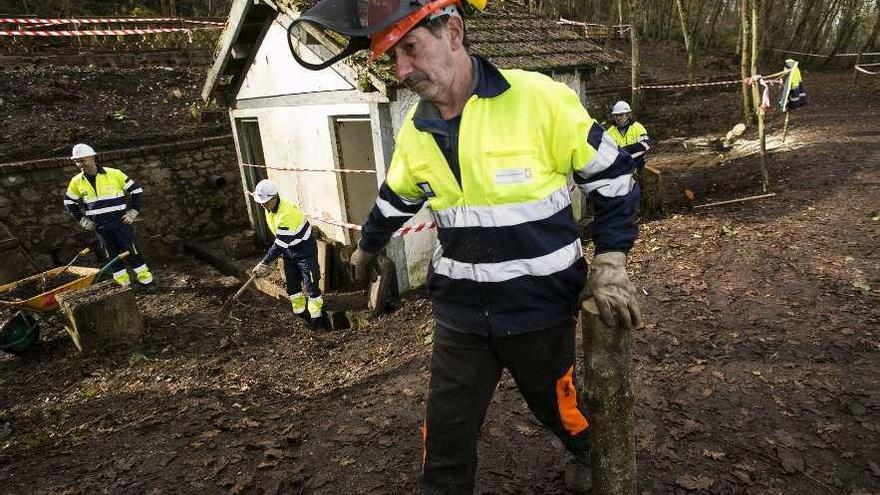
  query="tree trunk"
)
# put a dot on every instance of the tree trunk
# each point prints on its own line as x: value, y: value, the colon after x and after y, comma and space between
x: 634, y: 18
x: 872, y: 38
x: 745, y: 36
x: 608, y: 392
x: 756, y: 93
x: 100, y: 316
x: 686, y: 33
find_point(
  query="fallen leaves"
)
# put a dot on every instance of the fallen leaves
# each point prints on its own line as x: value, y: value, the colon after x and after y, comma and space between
x: 711, y: 454
x: 695, y: 482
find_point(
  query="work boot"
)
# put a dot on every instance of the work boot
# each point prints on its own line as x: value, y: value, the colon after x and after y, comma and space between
x: 578, y: 478
x: 122, y: 278
x: 298, y: 302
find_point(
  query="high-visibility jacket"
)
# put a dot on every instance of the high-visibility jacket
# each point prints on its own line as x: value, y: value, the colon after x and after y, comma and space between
x: 793, y: 93
x: 633, y: 138
x: 508, y: 257
x: 105, y: 201
x: 293, y: 234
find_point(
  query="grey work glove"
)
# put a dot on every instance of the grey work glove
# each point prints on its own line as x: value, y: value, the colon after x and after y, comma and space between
x: 87, y: 223
x: 615, y: 295
x: 361, y: 261
x: 129, y: 216
x: 261, y: 270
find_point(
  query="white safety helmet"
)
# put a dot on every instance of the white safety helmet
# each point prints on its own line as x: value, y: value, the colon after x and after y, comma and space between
x: 81, y: 151
x: 620, y: 107
x: 265, y: 190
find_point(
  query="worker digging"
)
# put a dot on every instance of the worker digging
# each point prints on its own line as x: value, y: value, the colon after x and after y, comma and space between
x: 508, y: 275
x: 112, y: 202
x: 296, y: 246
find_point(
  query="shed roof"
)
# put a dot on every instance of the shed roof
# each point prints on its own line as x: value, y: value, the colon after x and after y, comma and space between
x: 507, y: 34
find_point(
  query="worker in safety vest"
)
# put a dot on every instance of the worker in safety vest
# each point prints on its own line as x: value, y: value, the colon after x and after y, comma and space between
x: 793, y: 93
x: 108, y: 212
x: 629, y: 134
x: 296, y: 245
x: 490, y: 151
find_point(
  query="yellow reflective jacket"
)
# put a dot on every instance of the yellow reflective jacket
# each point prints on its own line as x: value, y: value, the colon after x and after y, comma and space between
x: 508, y: 258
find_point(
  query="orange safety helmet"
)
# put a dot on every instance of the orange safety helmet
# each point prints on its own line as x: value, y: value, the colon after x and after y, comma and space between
x: 384, y: 40
x: 374, y: 24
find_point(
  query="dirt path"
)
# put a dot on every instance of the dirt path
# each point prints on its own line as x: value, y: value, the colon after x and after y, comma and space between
x: 757, y: 373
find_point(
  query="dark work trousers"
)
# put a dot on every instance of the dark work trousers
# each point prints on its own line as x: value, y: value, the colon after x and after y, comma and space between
x: 466, y: 368
x: 116, y: 240
x: 299, y: 269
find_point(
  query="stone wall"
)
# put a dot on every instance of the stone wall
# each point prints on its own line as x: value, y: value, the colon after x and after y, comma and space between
x: 192, y: 189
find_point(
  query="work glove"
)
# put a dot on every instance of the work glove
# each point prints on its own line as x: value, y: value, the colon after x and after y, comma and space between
x: 615, y: 296
x: 261, y: 270
x: 362, y: 261
x: 129, y: 216
x: 87, y: 223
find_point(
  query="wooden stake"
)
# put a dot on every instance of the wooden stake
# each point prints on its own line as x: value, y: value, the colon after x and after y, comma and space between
x: 740, y: 200
x: 785, y: 126
x: 609, y: 397
x: 855, y: 79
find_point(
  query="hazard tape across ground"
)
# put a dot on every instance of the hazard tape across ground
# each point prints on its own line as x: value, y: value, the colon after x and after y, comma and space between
x: 806, y: 54
x: 335, y: 170
x: 102, y: 32
x: 861, y: 68
x: 409, y: 229
x: 113, y: 20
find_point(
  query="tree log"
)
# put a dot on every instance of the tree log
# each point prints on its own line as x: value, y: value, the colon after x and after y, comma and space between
x: 608, y: 392
x: 100, y: 316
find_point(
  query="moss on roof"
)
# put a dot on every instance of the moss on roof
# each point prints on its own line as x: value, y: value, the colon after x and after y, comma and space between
x: 508, y: 35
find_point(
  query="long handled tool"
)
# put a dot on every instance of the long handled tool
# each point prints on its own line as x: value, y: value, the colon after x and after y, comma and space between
x: 106, y: 269
x: 81, y: 253
x: 226, y: 309
x: 46, y: 279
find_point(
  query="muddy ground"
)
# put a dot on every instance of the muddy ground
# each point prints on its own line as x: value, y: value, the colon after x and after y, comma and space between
x: 756, y: 372
x: 109, y: 108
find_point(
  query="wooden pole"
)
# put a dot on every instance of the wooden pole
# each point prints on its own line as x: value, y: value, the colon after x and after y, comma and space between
x: 855, y: 79
x: 608, y: 392
x: 756, y: 97
x: 740, y: 200
x: 785, y: 125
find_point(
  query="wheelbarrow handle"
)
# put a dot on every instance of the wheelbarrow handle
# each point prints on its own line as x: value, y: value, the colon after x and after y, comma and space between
x: 105, y: 268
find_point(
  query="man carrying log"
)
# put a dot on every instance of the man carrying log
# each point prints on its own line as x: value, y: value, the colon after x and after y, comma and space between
x: 112, y: 201
x: 490, y: 151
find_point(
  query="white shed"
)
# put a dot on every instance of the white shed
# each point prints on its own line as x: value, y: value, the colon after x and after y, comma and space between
x: 345, y: 117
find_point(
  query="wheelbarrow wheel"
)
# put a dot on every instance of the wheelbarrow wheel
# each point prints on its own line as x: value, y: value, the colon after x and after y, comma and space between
x: 19, y: 333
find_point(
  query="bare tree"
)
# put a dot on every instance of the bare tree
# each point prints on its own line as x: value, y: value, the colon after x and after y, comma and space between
x: 688, y: 37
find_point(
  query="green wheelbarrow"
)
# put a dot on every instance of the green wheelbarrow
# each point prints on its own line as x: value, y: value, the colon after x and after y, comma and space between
x: 19, y: 333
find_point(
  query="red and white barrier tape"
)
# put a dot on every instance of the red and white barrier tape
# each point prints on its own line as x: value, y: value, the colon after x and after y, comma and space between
x: 806, y: 54
x: 101, y: 32
x: 336, y: 170
x: 114, y: 20
x: 688, y: 85
x: 861, y: 68
x: 409, y: 229
x: 747, y: 80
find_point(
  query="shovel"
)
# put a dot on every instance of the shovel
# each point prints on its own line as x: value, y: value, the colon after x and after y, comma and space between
x: 81, y: 253
x: 226, y: 309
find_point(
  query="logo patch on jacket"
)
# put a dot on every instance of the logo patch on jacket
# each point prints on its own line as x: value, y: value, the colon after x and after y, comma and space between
x: 426, y: 188
x: 513, y: 175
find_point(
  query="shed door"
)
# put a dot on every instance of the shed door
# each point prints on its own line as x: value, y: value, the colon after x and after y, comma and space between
x: 251, y: 151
